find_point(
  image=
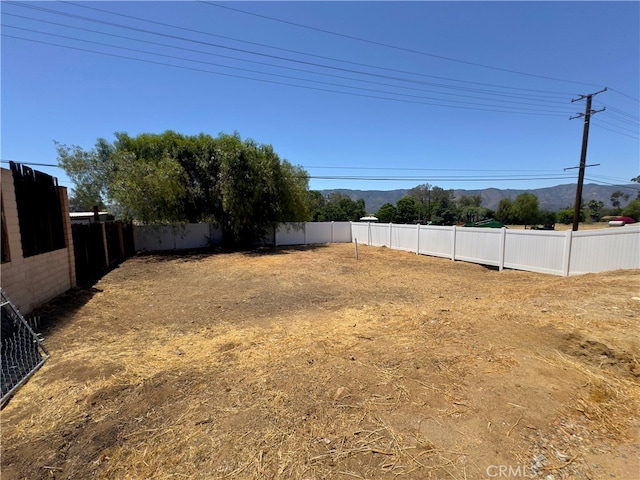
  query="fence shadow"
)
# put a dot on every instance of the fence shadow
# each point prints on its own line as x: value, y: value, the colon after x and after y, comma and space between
x: 194, y: 255
x: 284, y: 249
x: 57, y: 312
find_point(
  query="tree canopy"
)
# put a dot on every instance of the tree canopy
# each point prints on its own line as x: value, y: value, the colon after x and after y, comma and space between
x: 336, y: 207
x: 169, y: 177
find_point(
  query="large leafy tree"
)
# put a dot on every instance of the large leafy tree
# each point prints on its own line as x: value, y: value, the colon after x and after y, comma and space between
x: 595, y: 209
x: 637, y: 180
x: 89, y: 171
x: 617, y: 197
x: 443, y: 208
x: 422, y: 196
x: 632, y: 210
x: 387, y: 213
x: 339, y: 207
x: 406, y: 210
x: 161, y: 178
x: 525, y: 208
x: 504, y: 213
x: 469, y: 201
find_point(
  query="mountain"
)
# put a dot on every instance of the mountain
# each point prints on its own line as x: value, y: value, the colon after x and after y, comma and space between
x: 550, y: 198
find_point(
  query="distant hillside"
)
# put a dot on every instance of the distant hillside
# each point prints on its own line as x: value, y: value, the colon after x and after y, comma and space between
x: 550, y: 198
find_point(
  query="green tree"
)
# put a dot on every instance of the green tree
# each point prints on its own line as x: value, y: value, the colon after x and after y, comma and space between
x: 315, y: 202
x: 422, y: 196
x: 443, y: 209
x: 469, y: 201
x: 387, y: 213
x: 525, y: 209
x: 637, y: 180
x: 632, y: 210
x: 89, y: 172
x: 595, y: 209
x: 566, y: 216
x: 339, y: 207
x: 548, y: 219
x: 258, y: 191
x: 406, y: 210
x: 158, y: 178
x: 472, y: 213
x: 617, y: 197
x: 504, y: 212
x: 150, y: 190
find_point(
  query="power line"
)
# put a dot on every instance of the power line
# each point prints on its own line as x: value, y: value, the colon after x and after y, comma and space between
x: 278, y: 75
x: 624, y: 94
x: 616, y: 131
x: 620, y: 113
x: 439, y: 178
x: 395, y: 47
x: 614, y: 179
x: 425, y: 169
x: 563, y: 94
x: 622, y: 187
x: 273, y: 57
x: 617, y: 126
x: 519, y: 111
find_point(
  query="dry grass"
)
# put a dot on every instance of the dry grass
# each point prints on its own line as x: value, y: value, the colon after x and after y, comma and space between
x: 305, y: 363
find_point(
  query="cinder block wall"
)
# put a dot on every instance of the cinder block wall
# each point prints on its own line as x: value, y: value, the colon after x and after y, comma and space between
x: 32, y: 281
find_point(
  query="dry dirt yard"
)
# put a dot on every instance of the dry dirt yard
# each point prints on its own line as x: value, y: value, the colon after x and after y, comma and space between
x: 306, y: 363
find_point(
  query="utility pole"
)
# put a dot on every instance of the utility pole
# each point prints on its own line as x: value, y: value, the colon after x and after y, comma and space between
x: 583, y: 155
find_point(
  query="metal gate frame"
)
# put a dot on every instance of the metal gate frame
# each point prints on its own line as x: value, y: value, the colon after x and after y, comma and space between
x: 35, y: 351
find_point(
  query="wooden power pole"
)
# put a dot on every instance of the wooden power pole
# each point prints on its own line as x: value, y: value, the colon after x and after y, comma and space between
x: 583, y: 155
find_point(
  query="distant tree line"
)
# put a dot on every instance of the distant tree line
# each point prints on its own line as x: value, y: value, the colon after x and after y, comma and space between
x: 247, y: 189
x: 428, y: 204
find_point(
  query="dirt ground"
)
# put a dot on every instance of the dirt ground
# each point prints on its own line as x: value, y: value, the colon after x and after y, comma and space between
x: 306, y: 363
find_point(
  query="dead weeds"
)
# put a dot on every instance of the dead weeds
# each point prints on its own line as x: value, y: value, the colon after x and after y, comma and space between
x: 308, y: 363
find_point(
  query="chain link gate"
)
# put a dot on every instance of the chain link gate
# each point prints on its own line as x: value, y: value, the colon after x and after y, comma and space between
x: 21, y: 349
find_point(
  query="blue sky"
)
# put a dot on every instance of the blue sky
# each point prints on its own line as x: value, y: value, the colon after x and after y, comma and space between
x: 456, y: 94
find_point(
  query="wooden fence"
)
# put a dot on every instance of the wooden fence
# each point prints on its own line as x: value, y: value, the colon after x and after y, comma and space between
x: 99, y: 246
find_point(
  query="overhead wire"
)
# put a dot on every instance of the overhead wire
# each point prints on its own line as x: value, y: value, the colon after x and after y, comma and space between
x: 537, y: 91
x: 624, y: 94
x: 519, y: 109
x: 615, y: 131
x: 622, y: 187
x: 280, y: 58
x: 257, y: 62
x: 621, y: 114
x: 600, y: 120
x: 272, y: 57
x: 395, y: 47
x: 499, y: 109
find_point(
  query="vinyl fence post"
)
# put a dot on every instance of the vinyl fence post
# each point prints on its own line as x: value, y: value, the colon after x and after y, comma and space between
x: 453, y: 249
x: 332, y: 232
x: 390, y: 227
x: 418, y: 240
x: 275, y: 234
x: 503, y: 236
x: 304, y: 229
x: 566, y: 257
x: 369, y: 233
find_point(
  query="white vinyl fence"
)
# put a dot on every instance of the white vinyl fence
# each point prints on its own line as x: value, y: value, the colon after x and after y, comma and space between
x: 558, y: 253
x: 152, y: 238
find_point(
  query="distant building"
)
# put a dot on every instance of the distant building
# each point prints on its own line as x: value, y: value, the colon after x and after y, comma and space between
x: 89, y: 217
